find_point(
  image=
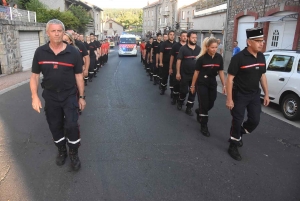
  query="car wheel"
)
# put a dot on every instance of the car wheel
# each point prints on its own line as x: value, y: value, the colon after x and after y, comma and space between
x: 120, y: 55
x: 290, y: 107
x: 135, y: 55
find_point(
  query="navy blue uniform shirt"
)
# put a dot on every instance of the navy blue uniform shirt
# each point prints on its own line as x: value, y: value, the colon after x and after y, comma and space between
x: 247, y: 70
x: 58, y: 70
x: 188, y: 56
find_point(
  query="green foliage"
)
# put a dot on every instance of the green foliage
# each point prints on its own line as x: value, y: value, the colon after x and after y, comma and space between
x: 75, y: 18
x: 126, y: 17
x: 82, y: 15
x: 34, y: 5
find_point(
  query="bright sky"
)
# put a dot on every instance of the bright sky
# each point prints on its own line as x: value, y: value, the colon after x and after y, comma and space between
x: 130, y: 3
x: 120, y: 3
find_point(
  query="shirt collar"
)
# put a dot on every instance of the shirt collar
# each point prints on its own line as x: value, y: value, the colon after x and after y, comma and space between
x: 68, y: 48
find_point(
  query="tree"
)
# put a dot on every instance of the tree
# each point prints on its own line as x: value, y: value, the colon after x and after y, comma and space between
x: 126, y: 17
x: 82, y: 15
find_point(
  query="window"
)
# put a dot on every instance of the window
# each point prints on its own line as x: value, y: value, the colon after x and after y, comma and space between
x: 110, y: 25
x: 182, y: 15
x: 160, y: 10
x: 152, y: 13
x: 266, y: 56
x: 298, y: 70
x: 105, y: 32
x: 148, y: 13
x: 159, y: 21
x: 275, y: 38
x: 282, y: 63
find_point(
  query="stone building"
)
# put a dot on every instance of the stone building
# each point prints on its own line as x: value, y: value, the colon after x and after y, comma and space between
x: 112, y: 28
x: 206, y: 17
x: 18, y: 42
x: 278, y: 18
x: 160, y: 16
x: 95, y: 25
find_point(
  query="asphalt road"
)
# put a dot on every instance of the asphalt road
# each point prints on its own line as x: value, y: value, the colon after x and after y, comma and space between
x: 137, y: 146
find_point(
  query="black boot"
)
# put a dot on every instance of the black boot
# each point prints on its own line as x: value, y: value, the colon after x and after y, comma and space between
x: 75, y: 162
x: 154, y: 80
x: 174, y: 100
x: 234, y: 152
x: 204, y: 130
x: 179, y: 105
x: 197, y: 112
x: 62, y: 155
x: 189, y: 111
x: 171, y: 94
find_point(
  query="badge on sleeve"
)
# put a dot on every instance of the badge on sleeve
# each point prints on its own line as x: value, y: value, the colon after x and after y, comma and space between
x: 55, y: 66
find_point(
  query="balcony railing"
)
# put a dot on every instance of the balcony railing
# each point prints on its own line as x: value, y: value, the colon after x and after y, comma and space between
x: 10, y: 13
x: 186, y: 25
x: 165, y: 13
x: 163, y: 25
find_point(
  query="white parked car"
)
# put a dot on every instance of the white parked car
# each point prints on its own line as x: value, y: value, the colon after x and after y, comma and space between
x: 283, y: 75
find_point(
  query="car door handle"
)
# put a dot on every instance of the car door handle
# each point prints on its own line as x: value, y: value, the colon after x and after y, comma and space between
x: 281, y: 79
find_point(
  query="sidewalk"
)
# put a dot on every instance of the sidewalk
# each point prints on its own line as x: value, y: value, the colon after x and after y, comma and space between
x: 8, y: 82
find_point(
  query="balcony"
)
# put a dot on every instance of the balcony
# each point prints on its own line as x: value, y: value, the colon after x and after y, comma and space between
x: 186, y: 25
x: 165, y: 13
x: 163, y: 25
x: 10, y: 13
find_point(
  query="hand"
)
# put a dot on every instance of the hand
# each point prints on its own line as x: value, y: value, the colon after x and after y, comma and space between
x: 266, y: 100
x: 161, y: 65
x: 229, y: 104
x: 170, y: 71
x: 156, y: 65
x: 81, y: 103
x: 224, y: 90
x: 36, y: 104
x: 144, y: 58
x: 151, y: 61
x: 192, y: 89
x: 178, y: 77
x: 85, y: 73
x: 147, y: 61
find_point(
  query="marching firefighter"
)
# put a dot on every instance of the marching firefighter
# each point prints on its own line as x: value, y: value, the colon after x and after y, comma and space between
x: 172, y: 68
x: 164, y: 60
x: 186, y: 60
x: 209, y: 64
x: 61, y: 66
x: 246, y: 70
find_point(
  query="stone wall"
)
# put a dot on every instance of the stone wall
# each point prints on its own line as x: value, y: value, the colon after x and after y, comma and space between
x: 257, y: 8
x: 10, y: 55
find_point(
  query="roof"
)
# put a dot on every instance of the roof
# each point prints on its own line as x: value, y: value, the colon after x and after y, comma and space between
x: 114, y: 22
x: 152, y: 4
x: 193, y: 4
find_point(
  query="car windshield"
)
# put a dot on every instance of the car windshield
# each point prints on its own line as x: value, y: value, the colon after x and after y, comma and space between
x: 127, y: 40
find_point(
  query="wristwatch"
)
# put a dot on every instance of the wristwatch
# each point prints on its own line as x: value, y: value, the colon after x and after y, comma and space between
x: 83, y: 97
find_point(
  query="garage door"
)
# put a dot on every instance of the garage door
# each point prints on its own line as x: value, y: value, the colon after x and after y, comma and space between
x: 29, y: 41
x: 244, y: 23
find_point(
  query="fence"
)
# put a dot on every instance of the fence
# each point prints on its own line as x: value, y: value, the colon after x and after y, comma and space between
x: 10, y: 13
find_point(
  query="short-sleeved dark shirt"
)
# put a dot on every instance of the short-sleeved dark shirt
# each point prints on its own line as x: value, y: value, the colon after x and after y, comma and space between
x: 97, y: 43
x: 92, y: 48
x: 148, y: 47
x: 155, y: 46
x: 247, y: 70
x: 58, y: 70
x: 209, y: 67
x: 166, y: 48
x: 174, y: 52
x: 82, y: 48
x: 188, y: 59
